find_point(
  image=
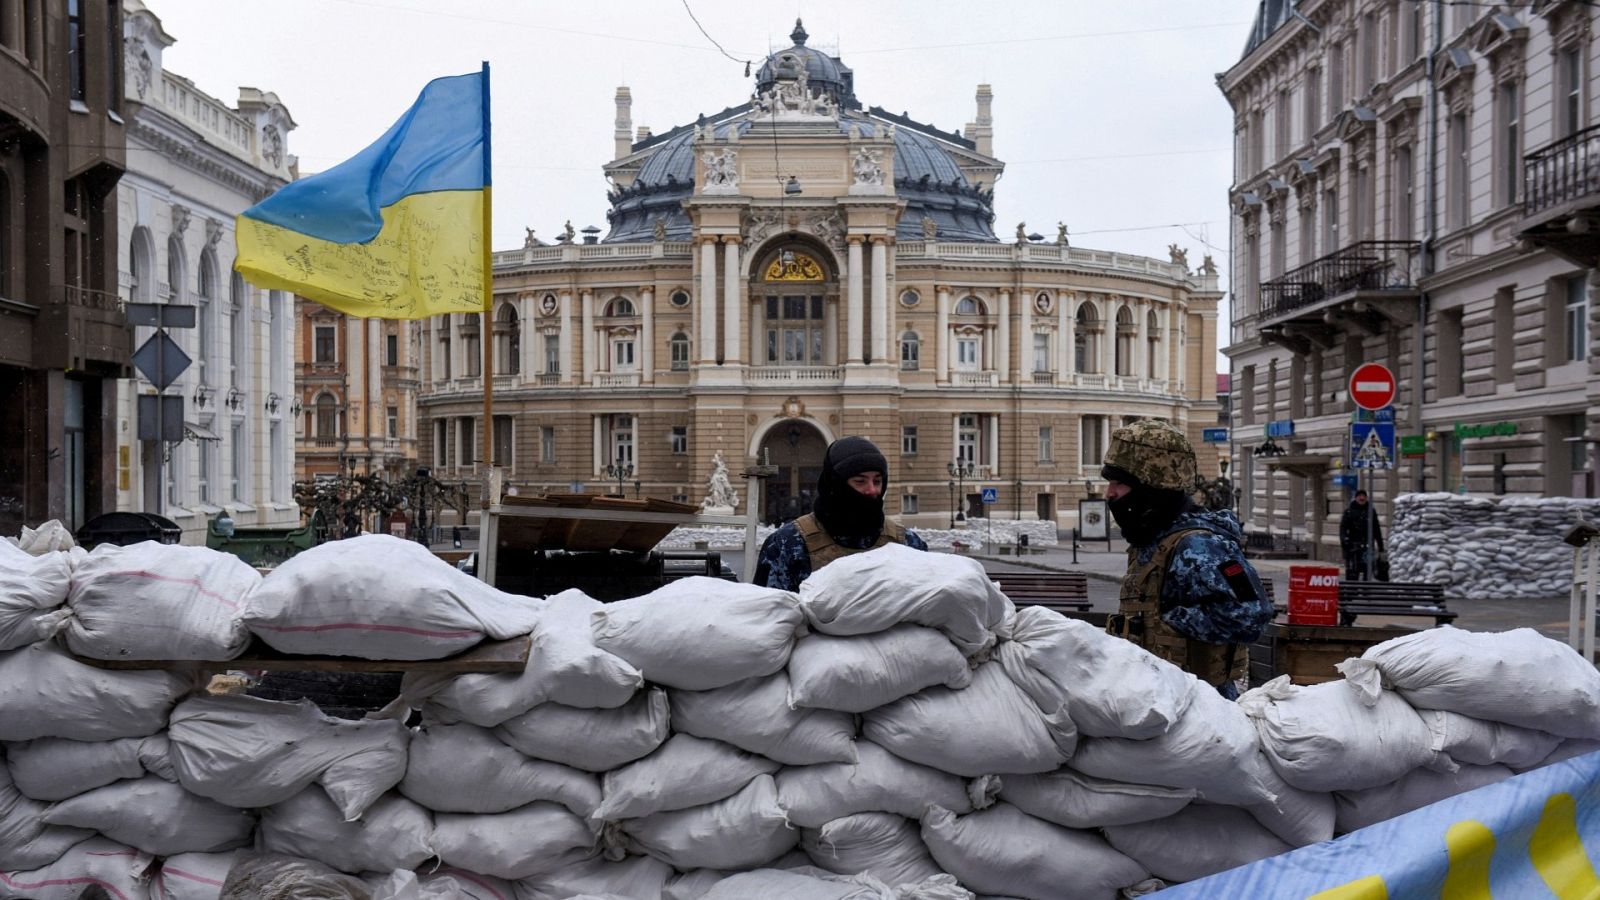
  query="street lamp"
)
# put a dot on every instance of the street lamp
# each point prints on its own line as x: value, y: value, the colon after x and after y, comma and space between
x: 960, y: 470
x: 952, y: 486
x: 621, y: 473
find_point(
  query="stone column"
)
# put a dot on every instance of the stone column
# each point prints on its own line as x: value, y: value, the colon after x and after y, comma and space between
x: 528, y: 333
x: 1065, y: 324
x: 853, y: 311
x: 1108, y: 338
x: 458, y: 356
x: 708, y: 300
x: 1025, y: 337
x: 564, y: 300
x: 647, y: 335
x: 731, y: 300
x: 941, y: 337
x: 598, y: 451
x: 587, y: 343
x: 880, y: 299
x: 1003, y: 339
x: 1141, y: 340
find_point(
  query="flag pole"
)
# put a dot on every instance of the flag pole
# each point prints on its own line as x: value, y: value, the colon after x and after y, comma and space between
x: 487, y: 314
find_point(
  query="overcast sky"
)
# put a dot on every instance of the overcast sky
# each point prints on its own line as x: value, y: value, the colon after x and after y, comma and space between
x: 1107, y: 114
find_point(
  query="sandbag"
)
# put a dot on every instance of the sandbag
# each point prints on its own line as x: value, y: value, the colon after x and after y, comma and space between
x: 56, y: 768
x: 250, y: 753
x: 1568, y: 749
x: 394, y: 833
x: 538, y: 837
x: 160, y: 601
x: 1006, y: 852
x: 855, y: 674
x: 468, y: 885
x: 595, y: 740
x: 865, y: 593
x: 741, y: 832
x: 120, y: 871
x: 1476, y: 742
x: 155, y: 816
x: 634, y: 877
x: 258, y: 876
x: 46, y: 693
x: 466, y: 769
x: 1296, y: 817
x: 51, y: 537
x: 990, y: 727
x: 1358, y: 809
x: 1196, y: 841
x: 379, y: 597
x: 883, y: 845
x: 27, y: 842
x: 564, y: 666
x: 700, y: 633
x: 686, y: 771
x: 878, y: 781
x: 777, y: 884
x: 193, y: 876
x: 754, y: 715
x: 1212, y: 749
x: 1518, y: 677
x: 1326, y: 737
x: 32, y: 592
x: 1111, y: 687
x: 1068, y: 798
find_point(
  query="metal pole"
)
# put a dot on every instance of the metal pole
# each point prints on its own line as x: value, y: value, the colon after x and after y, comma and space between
x: 160, y: 442
x: 1371, y: 515
x: 1592, y: 585
x: 1580, y: 576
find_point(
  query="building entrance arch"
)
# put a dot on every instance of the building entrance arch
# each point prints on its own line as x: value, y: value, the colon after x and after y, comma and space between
x: 796, y: 447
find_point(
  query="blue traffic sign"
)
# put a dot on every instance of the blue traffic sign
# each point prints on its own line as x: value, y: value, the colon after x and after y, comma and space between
x: 991, y: 495
x: 1372, y: 445
x: 1214, y: 435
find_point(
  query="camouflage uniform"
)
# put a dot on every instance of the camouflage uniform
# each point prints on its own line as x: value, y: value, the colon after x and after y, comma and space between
x: 784, y: 561
x: 1189, y: 596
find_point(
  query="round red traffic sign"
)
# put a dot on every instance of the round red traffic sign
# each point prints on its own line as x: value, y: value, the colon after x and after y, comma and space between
x: 1372, y: 386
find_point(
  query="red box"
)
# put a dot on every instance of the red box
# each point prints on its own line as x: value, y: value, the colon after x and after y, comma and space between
x: 1313, y: 595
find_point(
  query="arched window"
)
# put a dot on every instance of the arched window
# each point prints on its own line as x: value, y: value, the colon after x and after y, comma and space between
x: 1152, y: 336
x: 679, y: 345
x: 619, y: 306
x: 327, y: 416
x: 507, y: 342
x: 141, y: 266
x: 969, y: 306
x: 1085, y: 340
x: 205, y: 316
x: 238, y: 331
x: 1125, y: 338
x: 910, y: 351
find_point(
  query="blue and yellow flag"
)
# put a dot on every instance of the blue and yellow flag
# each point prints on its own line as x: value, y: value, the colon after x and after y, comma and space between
x: 399, y: 231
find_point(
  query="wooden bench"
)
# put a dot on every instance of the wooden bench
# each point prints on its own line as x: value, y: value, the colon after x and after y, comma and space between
x: 1060, y: 591
x: 1393, y: 598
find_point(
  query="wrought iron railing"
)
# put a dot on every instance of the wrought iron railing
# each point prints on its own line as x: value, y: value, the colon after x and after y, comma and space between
x: 1362, y: 266
x: 108, y: 301
x: 1562, y: 172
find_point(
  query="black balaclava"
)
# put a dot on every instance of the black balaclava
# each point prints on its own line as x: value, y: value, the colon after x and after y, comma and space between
x: 842, y: 510
x: 1144, y: 512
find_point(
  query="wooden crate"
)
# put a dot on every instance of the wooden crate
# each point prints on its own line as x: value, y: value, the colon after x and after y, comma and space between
x: 1308, y: 653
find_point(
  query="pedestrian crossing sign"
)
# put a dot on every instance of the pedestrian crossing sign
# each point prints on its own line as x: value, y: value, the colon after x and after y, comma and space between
x: 1372, y: 445
x: 991, y: 495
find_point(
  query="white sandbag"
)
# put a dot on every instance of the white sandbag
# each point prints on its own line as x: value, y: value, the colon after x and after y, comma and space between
x: 120, y: 871
x: 777, y: 884
x: 55, y: 768
x: 1326, y: 737
x: 878, y: 781
x: 1477, y: 742
x: 990, y: 727
x: 44, y: 692
x: 865, y: 593
x: 160, y: 601
x: 564, y: 666
x: 380, y: 597
x: 686, y: 771
x: 1518, y: 677
x: 1567, y: 749
x: 1212, y: 748
x: 1298, y: 818
x: 256, y: 876
x: 701, y: 633
x: 155, y: 816
x: 51, y: 537
x: 32, y: 591
x: 855, y: 674
x: 755, y: 715
x: 466, y: 769
x: 595, y: 740
x: 1068, y: 798
x: 469, y: 885
x: 26, y: 841
x: 193, y: 876
x: 1358, y: 809
x: 1006, y: 852
x: 636, y: 878
x: 743, y: 831
x: 1196, y: 841
x: 883, y: 845
x: 248, y: 752
x: 1111, y: 687
x: 538, y: 837
x: 394, y: 833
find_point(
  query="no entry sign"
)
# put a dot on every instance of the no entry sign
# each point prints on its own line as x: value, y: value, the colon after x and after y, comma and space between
x: 1372, y: 386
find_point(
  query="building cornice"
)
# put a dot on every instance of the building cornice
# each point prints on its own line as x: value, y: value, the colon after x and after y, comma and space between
x: 183, y: 146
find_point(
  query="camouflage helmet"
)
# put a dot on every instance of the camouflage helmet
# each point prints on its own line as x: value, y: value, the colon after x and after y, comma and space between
x: 1155, y: 453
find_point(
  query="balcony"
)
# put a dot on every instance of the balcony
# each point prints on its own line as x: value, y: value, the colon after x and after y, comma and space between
x: 1561, y: 197
x: 975, y: 379
x: 83, y: 329
x: 616, y: 379
x: 759, y: 375
x: 1366, y: 285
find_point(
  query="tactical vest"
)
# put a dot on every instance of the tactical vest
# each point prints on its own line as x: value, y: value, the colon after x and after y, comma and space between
x: 1139, y: 620
x: 823, y: 549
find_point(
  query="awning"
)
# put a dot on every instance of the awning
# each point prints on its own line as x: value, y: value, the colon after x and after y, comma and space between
x: 198, y: 432
x: 1311, y: 465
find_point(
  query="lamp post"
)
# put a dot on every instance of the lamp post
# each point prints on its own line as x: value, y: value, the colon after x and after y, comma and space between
x: 952, y: 486
x: 960, y: 470
x: 621, y: 472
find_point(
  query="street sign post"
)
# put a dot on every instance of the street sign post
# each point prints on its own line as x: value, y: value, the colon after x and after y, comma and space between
x: 991, y: 495
x: 1372, y: 386
x: 161, y: 361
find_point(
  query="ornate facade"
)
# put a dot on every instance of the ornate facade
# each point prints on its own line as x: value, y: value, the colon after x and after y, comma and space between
x: 355, y: 394
x: 797, y: 268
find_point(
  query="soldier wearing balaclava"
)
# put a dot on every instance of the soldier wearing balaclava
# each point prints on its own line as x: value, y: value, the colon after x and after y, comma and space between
x: 1189, y: 596
x: 847, y: 517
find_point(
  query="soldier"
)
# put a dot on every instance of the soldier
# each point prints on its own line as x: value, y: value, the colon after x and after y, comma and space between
x: 1189, y: 596
x: 847, y: 518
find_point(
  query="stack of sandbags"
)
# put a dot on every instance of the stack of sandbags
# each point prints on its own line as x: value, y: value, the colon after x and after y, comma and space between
x: 153, y: 601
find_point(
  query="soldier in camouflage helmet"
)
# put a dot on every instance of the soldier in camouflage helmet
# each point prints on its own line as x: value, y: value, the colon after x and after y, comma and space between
x: 1189, y: 596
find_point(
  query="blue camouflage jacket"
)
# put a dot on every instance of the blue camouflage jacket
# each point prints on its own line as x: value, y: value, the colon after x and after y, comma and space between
x: 784, y: 562
x: 1196, y: 598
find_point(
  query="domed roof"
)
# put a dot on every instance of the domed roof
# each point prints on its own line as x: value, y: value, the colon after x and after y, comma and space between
x: 826, y: 73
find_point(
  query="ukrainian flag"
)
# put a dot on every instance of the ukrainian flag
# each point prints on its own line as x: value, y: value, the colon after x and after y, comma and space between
x: 401, y: 230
